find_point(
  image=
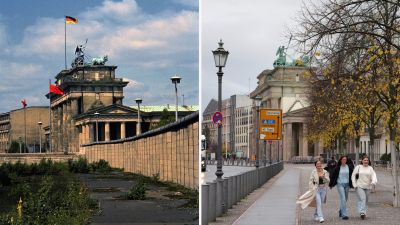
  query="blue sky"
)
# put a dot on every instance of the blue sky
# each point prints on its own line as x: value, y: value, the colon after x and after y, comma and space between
x: 149, y: 41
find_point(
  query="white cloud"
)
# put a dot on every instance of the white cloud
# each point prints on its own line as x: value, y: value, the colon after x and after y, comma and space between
x: 133, y: 84
x: 124, y: 11
x: 45, y: 38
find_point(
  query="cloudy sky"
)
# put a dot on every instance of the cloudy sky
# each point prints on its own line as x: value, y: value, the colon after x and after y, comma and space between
x: 149, y: 41
x: 252, y: 32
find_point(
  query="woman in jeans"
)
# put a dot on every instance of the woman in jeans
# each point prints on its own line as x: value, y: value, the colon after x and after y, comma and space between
x: 319, y: 180
x: 341, y: 178
x: 363, y: 178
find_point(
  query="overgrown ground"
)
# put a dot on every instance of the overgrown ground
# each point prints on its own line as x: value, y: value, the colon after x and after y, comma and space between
x: 81, y: 193
x: 156, y: 202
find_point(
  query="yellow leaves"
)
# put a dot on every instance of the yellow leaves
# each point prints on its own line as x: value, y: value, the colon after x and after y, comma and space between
x: 371, y: 49
x: 332, y: 81
x: 380, y: 52
x: 372, y: 58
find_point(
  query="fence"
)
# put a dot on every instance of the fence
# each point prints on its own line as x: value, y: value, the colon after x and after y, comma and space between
x: 220, y: 195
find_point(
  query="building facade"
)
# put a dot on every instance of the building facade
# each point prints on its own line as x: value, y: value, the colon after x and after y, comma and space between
x: 14, y: 123
x: 91, y: 109
x: 285, y: 87
x: 235, y: 126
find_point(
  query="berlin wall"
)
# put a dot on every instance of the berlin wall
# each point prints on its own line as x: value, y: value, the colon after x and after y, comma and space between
x: 171, y: 151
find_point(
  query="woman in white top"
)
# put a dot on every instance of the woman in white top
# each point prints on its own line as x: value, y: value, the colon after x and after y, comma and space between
x: 363, y: 178
x: 319, y: 180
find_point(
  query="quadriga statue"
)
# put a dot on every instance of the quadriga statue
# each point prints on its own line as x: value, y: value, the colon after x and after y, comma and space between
x: 100, y: 61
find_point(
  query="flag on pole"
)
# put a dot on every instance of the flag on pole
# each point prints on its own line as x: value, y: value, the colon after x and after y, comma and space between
x: 70, y: 20
x: 56, y: 89
x: 23, y: 101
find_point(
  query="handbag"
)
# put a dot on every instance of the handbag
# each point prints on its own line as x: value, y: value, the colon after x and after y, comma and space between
x: 358, y: 174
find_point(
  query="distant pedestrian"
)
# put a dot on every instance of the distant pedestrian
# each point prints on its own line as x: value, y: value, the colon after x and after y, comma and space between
x: 363, y: 178
x: 341, y: 178
x: 319, y: 179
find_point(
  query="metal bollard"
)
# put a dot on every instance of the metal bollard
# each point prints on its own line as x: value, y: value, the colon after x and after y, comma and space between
x: 225, y: 194
x: 242, y: 182
x: 237, y: 188
x: 234, y: 190
x: 219, y: 198
x: 212, y: 202
x: 205, y: 190
x: 230, y: 192
x: 245, y: 185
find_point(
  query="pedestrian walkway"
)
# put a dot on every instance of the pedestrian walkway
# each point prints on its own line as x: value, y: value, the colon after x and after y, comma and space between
x: 227, y: 170
x: 276, y: 205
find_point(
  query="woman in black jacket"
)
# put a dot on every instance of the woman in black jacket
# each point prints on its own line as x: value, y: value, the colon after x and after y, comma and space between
x: 341, y: 178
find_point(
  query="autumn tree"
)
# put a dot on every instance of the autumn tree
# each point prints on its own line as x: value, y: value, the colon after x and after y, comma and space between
x: 375, y: 23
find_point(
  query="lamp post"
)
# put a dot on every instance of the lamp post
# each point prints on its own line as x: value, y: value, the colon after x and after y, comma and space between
x: 138, y: 101
x: 20, y: 144
x: 97, y: 126
x: 257, y: 101
x: 40, y: 136
x: 176, y: 80
x: 220, y: 57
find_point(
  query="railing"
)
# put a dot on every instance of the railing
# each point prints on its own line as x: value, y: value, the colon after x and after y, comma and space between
x: 238, y: 162
x: 220, y: 195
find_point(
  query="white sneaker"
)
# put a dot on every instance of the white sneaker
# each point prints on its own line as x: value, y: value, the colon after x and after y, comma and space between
x: 316, y: 219
x: 321, y: 220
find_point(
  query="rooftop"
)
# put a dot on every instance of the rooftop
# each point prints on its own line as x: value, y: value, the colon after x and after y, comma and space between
x: 170, y: 108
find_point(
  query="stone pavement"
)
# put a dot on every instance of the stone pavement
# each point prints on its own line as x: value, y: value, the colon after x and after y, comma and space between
x: 273, y: 203
x: 380, y: 210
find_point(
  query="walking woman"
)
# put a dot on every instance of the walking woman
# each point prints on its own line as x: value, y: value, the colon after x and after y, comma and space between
x: 363, y: 178
x: 341, y: 178
x: 319, y: 180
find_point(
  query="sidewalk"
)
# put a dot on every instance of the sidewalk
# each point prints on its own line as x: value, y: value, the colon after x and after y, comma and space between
x: 380, y: 210
x: 273, y: 203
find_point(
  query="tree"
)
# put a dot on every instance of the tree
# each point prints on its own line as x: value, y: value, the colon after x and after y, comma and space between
x: 166, y: 118
x: 323, y: 27
x: 206, y: 133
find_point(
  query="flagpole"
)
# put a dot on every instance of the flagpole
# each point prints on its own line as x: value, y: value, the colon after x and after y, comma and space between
x: 65, y: 43
x: 50, y: 148
x: 25, y: 125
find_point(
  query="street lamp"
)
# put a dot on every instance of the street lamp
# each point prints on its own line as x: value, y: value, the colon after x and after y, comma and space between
x: 40, y: 136
x: 138, y: 101
x: 220, y: 57
x: 97, y: 126
x: 176, y: 80
x: 257, y: 101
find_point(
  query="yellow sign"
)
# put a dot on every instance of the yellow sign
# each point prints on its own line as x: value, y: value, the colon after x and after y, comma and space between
x: 270, y: 124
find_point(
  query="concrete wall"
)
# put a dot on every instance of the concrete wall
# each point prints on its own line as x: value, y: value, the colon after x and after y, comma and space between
x: 172, y: 151
x: 30, y: 158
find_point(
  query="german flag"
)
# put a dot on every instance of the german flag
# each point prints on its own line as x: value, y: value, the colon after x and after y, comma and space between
x: 70, y: 20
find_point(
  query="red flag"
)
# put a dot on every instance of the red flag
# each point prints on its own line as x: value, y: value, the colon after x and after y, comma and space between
x: 56, y: 89
x: 23, y: 101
